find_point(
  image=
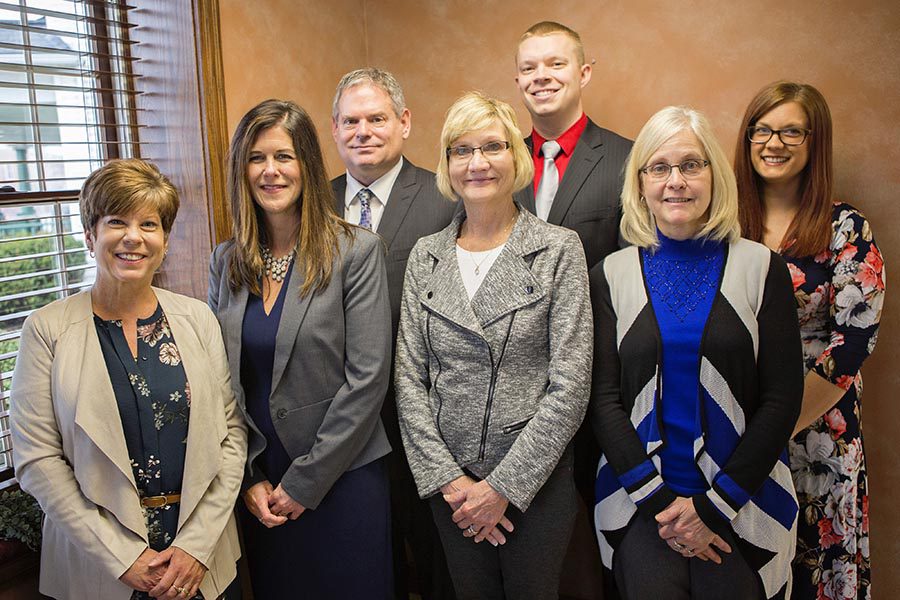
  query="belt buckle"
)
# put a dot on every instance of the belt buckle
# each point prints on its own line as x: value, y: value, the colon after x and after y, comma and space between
x: 154, y: 501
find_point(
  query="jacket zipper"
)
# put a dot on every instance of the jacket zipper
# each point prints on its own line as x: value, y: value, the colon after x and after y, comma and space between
x: 490, y: 399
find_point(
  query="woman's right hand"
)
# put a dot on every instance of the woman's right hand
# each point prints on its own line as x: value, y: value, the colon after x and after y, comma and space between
x: 140, y: 576
x: 256, y: 498
x: 455, y: 494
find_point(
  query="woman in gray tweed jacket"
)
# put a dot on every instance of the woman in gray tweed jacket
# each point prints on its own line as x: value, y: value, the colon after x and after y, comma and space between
x: 493, y: 365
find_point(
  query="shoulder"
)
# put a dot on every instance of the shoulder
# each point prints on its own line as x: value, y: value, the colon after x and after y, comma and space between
x: 555, y: 236
x: 221, y: 251
x: 621, y: 261
x: 845, y: 218
x: 56, y: 316
x: 359, y: 245
x: 609, y: 139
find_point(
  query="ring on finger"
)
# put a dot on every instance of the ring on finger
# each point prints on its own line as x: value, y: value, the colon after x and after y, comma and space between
x: 471, y: 529
x: 677, y: 546
x: 689, y: 550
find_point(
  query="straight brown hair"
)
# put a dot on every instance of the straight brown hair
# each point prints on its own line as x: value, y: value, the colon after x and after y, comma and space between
x: 317, y: 237
x: 810, y: 231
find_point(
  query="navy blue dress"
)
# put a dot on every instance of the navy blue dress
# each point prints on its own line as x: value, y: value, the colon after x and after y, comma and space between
x: 339, y: 550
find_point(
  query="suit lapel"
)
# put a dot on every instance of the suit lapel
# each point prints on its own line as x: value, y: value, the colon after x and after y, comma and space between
x: 588, y: 152
x: 232, y: 326
x: 339, y: 187
x: 292, y: 315
x: 402, y: 194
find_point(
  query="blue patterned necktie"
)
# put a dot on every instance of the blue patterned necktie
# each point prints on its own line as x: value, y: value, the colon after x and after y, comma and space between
x: 365, y: 210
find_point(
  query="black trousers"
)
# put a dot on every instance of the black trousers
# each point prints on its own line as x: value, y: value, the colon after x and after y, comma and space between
x: 646, y: 567
x: 528, y: 566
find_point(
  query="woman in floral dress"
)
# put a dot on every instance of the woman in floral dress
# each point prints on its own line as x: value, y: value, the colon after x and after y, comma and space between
x: 784, y: 172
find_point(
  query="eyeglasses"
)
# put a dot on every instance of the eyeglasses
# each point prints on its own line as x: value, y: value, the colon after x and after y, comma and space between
x: 465, y: 153
x: 689, y: 168
x: 792, y: 136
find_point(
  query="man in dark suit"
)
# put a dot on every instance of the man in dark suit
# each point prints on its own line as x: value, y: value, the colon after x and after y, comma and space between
x: 581, y: 191
x: 388, y: 194
x: 578, y: 171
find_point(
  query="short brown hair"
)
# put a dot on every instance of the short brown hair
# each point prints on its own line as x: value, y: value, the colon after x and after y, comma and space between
x: 122, y: 186
x: 551, y: 27
x: 810, y: 231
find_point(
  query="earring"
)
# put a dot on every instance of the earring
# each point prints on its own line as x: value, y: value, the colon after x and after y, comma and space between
x: 643, y: 200
x: 91, y: 253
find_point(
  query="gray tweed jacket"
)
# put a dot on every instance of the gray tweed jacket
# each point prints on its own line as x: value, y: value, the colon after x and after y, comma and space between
x: 499, y: 385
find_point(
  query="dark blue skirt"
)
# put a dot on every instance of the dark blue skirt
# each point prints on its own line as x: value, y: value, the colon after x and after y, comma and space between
x: 340, y: 550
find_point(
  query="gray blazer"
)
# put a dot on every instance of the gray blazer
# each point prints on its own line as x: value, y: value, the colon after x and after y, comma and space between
x: 332, y: 361
x: 414, y: 209
x: 499, y: 385
x: 587, y: 201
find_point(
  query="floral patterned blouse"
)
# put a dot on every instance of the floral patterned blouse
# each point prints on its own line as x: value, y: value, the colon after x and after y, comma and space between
x: 840, y: 293
x: 154, y: 401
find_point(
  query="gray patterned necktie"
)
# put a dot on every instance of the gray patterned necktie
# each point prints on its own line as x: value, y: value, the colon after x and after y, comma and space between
x: 549, y: 180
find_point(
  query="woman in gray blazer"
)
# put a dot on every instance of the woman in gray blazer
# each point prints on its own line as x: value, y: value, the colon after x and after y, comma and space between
x: 493, y: 365
x: 302, y: 299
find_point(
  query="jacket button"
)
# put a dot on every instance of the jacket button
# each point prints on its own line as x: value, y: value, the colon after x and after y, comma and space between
x: 528, y: 289
x: 429, y: 295
x: 282, y: 413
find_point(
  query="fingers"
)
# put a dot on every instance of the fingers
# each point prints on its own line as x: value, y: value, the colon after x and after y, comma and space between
x: 506, y: 524
x: 721, y: 544
x: 161, y: 558
x: 455, y: 499
x: 163, y: 588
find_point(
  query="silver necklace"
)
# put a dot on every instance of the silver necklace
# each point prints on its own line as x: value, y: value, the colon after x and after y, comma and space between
x: 478, y: 264
x: 277, y: 268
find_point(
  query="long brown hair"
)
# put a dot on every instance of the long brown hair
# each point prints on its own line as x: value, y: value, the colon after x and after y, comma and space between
x: 810, y: 231
x: 317, y: 238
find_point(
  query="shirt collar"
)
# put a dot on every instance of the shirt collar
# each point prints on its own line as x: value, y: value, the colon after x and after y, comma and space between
x: 567, y: 141
x: 381, y: 187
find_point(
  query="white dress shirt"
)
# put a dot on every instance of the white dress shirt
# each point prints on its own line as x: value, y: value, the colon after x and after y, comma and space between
x: 381, y: 191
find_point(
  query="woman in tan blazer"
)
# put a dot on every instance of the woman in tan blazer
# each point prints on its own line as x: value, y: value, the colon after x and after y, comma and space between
x: 124, y: 425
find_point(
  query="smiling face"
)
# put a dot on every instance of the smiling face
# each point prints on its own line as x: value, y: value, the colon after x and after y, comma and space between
x: 679, y: 204
x: 368, y: 133
x: 273, y: 173
x: 550, y: 78
x: 478, y: 179
x: 775, y: 162
x: 129, y: 248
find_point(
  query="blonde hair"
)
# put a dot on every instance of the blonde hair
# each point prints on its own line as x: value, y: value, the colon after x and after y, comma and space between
x: 122, y: 186
x: 474, y: 111
x: 545, y: 28
x: 638, y: 224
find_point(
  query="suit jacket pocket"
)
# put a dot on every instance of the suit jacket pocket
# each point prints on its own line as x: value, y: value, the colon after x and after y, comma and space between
x: 517, y: 426
x: 297, y: 427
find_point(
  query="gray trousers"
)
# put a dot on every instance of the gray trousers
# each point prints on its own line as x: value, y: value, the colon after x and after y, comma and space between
x: 528, y: 566
x: 646, y: 567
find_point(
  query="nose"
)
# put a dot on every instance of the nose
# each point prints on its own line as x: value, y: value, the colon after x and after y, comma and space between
x: 271, y: 168
x: 540, y: 71
x: 774, y: 141
x: 478, y: 162
x: 362, y: 129
x: 133, y: 233
x: 676, y: 178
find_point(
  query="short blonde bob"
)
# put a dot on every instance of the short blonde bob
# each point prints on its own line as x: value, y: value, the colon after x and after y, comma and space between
x: 474, y: 111
x: 638, y: 225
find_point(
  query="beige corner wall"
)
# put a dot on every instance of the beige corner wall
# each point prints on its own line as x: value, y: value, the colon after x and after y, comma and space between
x: 711, y: 55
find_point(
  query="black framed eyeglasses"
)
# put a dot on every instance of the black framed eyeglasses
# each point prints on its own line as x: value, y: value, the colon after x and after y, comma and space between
x: 691, y: 167
x: 790, y: 136
x: 489, y: 150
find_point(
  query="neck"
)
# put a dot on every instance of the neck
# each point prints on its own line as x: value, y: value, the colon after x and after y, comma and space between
x: 367, y: 178
x: 281, y: 233
x: 782, y: 197
x: 550, y: 127
x: 116, y: 300
x: 488, y: 224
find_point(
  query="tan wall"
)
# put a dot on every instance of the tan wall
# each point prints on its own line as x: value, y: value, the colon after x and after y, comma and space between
x: 711, y: 55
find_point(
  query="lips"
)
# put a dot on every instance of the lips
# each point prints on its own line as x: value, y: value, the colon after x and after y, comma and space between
x: 272, y: 188
x: 775, y: 161
x: 543, y: 93
x: 130, y: 256
x: 677, y: 200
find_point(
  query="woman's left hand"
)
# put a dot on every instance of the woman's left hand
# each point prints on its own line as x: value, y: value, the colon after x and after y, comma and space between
x: 182, y: 577
x: 280, y: 503
x: 681, y: 527
x: 482, y: 510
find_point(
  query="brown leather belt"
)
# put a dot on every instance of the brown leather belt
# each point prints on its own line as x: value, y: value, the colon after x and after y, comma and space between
x: 160, y: 501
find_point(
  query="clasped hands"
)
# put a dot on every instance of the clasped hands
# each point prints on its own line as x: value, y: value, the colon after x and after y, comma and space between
x: 272, y: 506
x: 685, y: 533
x: 478, y: 509
x: 170, y: 574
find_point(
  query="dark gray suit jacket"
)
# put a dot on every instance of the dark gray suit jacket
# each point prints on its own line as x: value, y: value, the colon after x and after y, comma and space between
x: 414, y: 209
x: 588, y: 197
x: 332, y: 363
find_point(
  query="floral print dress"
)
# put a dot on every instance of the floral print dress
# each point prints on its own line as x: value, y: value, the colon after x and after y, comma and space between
x: 839, y: 293
x: 154, y: 401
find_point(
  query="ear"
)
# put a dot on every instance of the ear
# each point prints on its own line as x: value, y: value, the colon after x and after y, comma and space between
x: 406, y: 122
x: 586, y: 71
x: 334, y: 129
x: 89, y: 240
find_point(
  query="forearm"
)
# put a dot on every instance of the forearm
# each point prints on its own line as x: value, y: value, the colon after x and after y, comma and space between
x: 819, y: 396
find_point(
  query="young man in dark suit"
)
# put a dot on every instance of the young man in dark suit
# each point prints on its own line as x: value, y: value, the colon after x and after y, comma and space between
x: 383, y: 191
x: 578, y: 169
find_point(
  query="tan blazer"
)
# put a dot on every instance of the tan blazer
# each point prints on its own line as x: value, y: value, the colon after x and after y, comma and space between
x: 69, y: 451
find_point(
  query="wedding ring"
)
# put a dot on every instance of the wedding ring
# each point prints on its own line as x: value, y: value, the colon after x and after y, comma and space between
x: 471, y: 530
x: 678, y: 546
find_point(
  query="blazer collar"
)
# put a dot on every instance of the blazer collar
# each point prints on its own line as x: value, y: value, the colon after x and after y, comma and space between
x: 508, y: 286
x: 292, y: 315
